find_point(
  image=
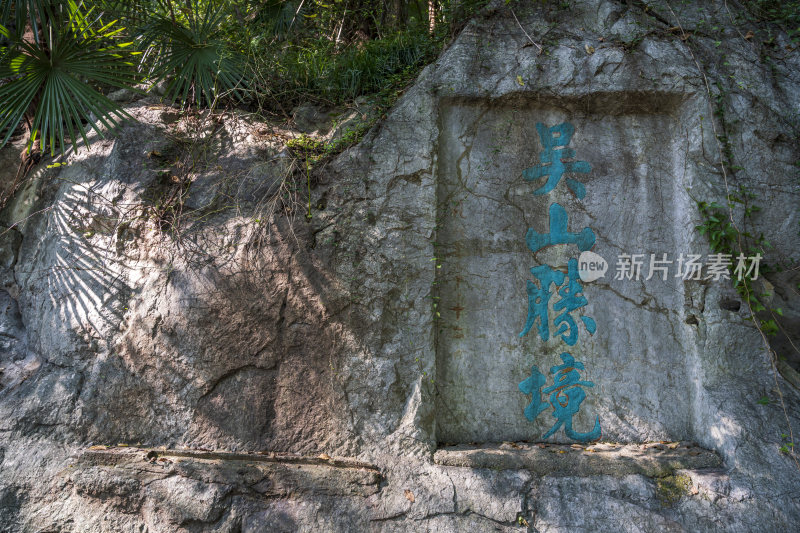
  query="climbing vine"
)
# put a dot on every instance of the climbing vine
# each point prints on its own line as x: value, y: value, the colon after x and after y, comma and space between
x: 719, y: 221
x: 724, y: 238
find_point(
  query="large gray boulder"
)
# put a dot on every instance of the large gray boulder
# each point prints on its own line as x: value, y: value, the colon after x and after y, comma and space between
x: 361, y: 370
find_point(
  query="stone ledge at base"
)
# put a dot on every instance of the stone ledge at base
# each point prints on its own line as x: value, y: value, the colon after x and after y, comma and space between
x: 654, y: 459
x: 270, y: 474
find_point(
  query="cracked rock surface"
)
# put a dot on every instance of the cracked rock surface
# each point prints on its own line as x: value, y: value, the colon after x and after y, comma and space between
x: 270, y: 373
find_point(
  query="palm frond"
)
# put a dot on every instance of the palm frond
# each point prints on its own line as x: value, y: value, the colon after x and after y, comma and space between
x: 281, y: 16
x: 135, y: 13
x: 54, y: 80
x: 20, y: 13
x: 193, y: 55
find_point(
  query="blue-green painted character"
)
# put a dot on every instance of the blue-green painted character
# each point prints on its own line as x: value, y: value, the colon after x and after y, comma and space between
x: 539, y: 299
x: 533, y: 386
x: 553, y: 165
x: 571, y: 299
x: 558, y: 233
x: 566, y: 396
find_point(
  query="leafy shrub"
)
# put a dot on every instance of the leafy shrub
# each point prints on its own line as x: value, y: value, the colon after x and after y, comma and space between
x: 192, y: 53
x: 52, y: 75
x: 316, y: 71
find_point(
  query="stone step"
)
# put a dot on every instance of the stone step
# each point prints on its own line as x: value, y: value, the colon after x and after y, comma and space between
x: 652, y: 459
x: 269, y: 473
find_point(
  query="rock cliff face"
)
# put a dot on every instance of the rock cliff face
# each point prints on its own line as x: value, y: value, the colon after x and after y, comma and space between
x: 362, y: 370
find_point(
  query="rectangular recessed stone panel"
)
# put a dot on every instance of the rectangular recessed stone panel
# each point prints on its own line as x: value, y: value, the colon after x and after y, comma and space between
x: 635, y: 202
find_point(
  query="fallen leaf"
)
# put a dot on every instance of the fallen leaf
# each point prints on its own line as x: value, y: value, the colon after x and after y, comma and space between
x: 589, y: 49
x: 324, y: 456
x: 601, y: 39
x: 519, y: 81
x: 576, y: 446
x: 98, y: 447
x: 749, y: 35
x: 673, y: 445
x: 409, y: 495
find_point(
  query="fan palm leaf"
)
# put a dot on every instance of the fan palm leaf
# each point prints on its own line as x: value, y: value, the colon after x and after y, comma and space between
x: 19, y: 14
x: 193, y: 56
x: 51, y: 81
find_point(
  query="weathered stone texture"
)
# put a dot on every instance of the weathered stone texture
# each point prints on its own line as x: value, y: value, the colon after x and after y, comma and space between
x: 147, y: 304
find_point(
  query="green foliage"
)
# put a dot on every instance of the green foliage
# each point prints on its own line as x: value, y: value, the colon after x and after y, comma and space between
x: 316, y: 71
x: 724, y: 238
x: 670, y: 489
x: 52, y: 82
x: 313, y: 152
x: 193, y: 54
x: 59, y: 56
x: 306, y: 148
x: 335, y: 51
x: 784, y: 13
x: 787, y: 446
x: 19, y: 14
x: 308, y: 151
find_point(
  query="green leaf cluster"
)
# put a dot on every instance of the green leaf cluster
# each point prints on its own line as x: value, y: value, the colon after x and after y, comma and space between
x: 725, y: 238
x: 192, y: 54
x: 52, y: 69
x: 58, y: 59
